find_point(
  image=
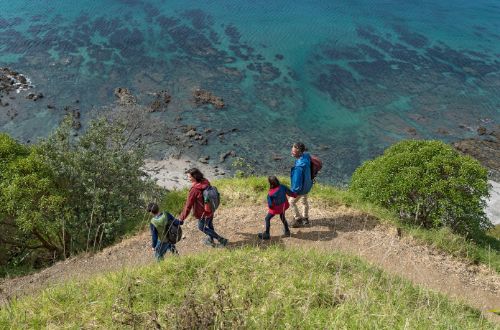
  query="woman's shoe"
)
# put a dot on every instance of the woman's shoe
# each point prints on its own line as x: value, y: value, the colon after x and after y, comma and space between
x: 209, y: 241
x: 264, y: 236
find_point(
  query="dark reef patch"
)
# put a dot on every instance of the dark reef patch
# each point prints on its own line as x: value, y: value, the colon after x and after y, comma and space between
x: 232, y: 32
x: 167, y: 22
x: 409, y: 87
x: 411, y: 38
x: 199, y: 19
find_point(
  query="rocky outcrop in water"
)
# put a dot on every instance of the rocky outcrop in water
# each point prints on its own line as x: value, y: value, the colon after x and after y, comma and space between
x: 161, y: 101
x: 34, y: 97
x: 124, y: 96
x: 205, y: 97
x: 11, y: 80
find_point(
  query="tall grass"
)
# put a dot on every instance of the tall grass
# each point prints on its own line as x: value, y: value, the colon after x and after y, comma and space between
x: 247, y: 288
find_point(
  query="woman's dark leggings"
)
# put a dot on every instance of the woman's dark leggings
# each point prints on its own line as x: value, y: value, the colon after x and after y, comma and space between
x: 269, y: 216
x: 206, y: 225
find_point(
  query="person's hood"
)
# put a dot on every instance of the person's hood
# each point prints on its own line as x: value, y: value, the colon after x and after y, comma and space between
x: 303, y: 160
x: 201, y: 185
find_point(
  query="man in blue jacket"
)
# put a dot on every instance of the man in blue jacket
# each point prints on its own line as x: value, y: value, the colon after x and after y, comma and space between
x: 301, y: 184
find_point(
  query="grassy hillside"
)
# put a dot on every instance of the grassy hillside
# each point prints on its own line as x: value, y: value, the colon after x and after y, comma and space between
x: 252, y: 190
x: 244, y: 288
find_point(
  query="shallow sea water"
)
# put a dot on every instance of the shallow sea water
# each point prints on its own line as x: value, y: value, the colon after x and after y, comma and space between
x: 348, y: 78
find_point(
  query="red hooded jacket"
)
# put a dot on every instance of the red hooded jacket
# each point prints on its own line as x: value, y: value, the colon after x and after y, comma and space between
x: 195, y: 201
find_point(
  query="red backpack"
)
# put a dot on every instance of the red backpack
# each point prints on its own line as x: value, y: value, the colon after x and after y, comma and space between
x: 316, y: 165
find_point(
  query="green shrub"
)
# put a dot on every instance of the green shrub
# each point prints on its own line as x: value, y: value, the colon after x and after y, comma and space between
x: 427, y: 183
x: 67, y: 194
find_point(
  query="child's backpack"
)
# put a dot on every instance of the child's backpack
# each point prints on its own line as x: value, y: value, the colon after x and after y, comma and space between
x: 316, y: 165
x: 174, y: 233
x: 212, y: 197
x: 279, y: 197
x: 169, y: 232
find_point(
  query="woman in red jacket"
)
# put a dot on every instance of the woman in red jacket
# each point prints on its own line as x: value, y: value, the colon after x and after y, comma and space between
x: 201, y: 210
x: 278, y: 204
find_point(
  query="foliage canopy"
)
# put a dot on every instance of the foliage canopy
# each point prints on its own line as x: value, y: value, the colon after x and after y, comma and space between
x: 67, y: 194
x: 427, y: 183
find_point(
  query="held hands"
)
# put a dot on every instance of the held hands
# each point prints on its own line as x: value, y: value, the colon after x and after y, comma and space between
x: 179, y: 221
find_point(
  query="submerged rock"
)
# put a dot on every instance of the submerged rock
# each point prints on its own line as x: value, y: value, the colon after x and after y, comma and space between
x: 11, y: 80
x: 204, y: 159
x: 34, y: 97
x: 161, y: 101
x: 124, y: 96
x: 205, y: 97
x: 223, y: 156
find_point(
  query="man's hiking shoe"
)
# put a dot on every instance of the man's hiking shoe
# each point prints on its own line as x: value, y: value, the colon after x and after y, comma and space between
x: 305, y: 222
x: 223, y: 241
x: 298, y: 223
x: 209, y: 241
x: 287, y: 233
x: 264, y: 235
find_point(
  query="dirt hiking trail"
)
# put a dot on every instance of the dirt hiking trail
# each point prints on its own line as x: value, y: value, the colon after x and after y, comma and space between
x: 332, y: 229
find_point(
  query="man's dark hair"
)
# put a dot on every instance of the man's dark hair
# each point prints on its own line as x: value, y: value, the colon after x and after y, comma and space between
x: 273, y: 181
x: 299, y: 146
x: 196, y: 174
x: 153, y: 208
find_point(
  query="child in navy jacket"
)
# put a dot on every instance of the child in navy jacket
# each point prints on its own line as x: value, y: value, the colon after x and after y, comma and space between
x: 160, y: 245
x: 277, y: 203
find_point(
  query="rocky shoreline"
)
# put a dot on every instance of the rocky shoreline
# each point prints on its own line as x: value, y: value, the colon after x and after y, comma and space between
x: 190, y: 140
x: 486, y: 149
x: 170, y: 172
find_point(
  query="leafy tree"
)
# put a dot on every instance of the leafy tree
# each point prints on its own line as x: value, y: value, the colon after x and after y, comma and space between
x: 427, y: 183
x: 31, y: 205
x: 102, y: 177
x: 69, y: 193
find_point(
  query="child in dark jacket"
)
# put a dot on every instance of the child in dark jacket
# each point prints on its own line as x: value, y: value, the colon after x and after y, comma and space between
x: 277, y: 204
x: 158, y: 226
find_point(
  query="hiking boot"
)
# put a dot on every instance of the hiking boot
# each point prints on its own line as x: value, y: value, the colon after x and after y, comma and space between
x: 209, y: 241
x: 298, y: 223
x: 305, y: 222
x: 223, y: 241
x: 287, y: 233
x: 264, y: 235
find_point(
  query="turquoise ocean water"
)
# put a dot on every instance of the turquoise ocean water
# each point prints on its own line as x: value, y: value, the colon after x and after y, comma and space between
x: 346, y: 77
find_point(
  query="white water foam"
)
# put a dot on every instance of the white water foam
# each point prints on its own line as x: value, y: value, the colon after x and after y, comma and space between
x: 20, y: 86
x: 493, y: 204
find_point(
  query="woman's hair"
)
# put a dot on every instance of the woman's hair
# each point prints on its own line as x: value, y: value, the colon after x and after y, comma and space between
x: 299, y: 146
x: 273, y: 181
x: 153, y: 208
x: 196, y: 174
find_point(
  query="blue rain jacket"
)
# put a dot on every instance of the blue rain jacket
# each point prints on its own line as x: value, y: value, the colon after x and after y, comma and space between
x: 300, y: 175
